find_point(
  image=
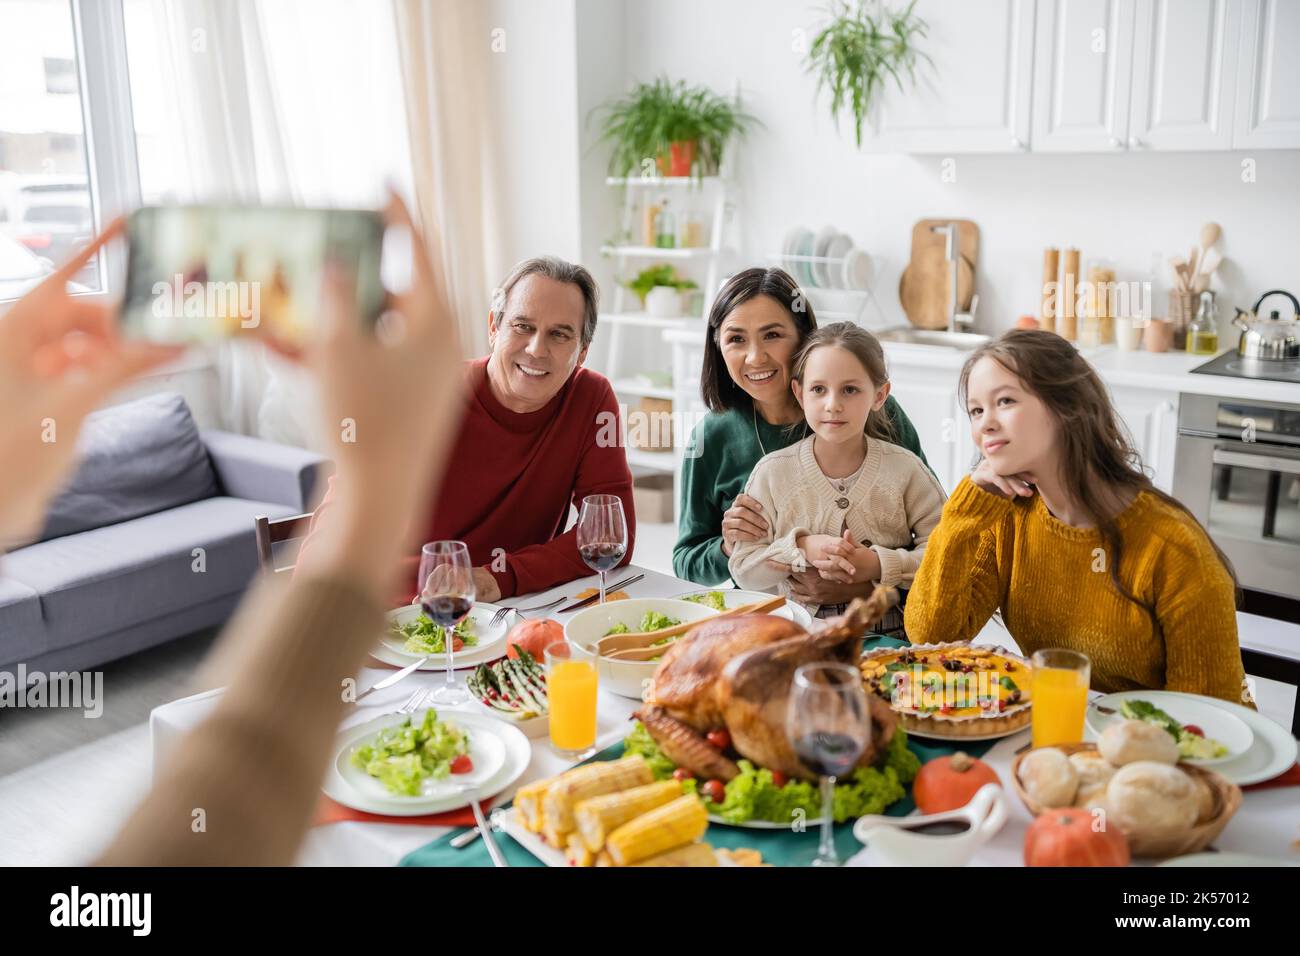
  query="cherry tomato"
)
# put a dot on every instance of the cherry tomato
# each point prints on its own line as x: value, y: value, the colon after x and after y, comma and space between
x: 719, y: 738
x: 456, y: 644
x: 779, y: 779
x: 681, y: 773
x: 715, y: 791
x: 1193, y: 729
x: 462, y: 764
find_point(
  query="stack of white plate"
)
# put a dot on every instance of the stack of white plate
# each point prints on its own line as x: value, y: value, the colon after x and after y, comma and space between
x: 848, y: 267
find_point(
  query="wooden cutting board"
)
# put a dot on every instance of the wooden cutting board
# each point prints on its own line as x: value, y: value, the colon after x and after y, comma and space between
x: 925, y: 286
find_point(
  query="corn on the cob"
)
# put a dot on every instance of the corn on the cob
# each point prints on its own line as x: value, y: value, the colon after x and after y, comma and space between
x: 576, y: 852
x: 598, y: 817
x: 674, y: 824
x: 602, y: 859
x: 591, y: 780
x: 693, y: 854
x: 528, y: 799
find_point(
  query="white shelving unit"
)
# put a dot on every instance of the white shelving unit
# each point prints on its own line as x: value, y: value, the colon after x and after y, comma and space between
x: 633, y: 257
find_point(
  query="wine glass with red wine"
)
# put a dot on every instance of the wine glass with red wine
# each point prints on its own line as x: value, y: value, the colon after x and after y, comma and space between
x: 602, y: 534
x: 447, y: 596
x: 829, y: 726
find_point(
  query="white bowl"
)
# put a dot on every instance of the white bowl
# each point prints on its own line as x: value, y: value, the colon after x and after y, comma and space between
x: 626, y: 678
x: 532, y: 727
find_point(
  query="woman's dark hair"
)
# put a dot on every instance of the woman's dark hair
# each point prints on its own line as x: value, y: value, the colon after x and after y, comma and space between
x: 863, y: 346
x: 1095, y: 449
x: 717, y: 388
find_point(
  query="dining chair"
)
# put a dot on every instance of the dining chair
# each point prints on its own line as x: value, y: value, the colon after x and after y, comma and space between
x: 273, y: 531
x: 1266, y: 664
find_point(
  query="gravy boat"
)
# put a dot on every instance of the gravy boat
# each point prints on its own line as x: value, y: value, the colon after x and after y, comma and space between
x: 929, y: 839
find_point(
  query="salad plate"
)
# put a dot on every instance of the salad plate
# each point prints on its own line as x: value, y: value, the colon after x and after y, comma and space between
x: 489, y: 641
x: 499, y: 753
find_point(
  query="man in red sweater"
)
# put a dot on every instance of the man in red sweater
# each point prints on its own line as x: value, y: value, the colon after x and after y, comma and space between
x: 540, y: 432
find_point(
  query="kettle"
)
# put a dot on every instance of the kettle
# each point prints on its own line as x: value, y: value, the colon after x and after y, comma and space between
x: 1272, y: 338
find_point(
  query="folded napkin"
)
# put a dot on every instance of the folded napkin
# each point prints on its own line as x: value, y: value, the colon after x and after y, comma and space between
x: 1289, y: 779
x: 331, y: 811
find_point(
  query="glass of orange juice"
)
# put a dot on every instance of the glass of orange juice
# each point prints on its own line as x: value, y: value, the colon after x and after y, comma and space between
x: 1060, y: 695
x: 571, y: 689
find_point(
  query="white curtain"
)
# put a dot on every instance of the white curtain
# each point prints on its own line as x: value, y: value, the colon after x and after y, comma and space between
x: 292, y: 101
x: 446, y: 46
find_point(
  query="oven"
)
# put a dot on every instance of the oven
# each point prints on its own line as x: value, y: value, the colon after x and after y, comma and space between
x: 1237, y: 468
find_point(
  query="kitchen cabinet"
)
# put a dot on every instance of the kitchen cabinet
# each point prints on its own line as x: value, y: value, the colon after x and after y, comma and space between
x: 976, y: 97
x: 1185, y: 74
x: 1082, y: 75
x: 1267, y: 103
x: 929, y: 397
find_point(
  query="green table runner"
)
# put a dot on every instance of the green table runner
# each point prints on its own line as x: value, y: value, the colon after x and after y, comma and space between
x: 781, y: 847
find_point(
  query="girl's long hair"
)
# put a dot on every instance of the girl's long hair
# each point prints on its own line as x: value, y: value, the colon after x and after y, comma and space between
x: 1096, y: 452
x: 866, y: 349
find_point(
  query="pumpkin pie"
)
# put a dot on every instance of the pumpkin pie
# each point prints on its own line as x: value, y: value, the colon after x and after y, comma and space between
x: 951, y: 690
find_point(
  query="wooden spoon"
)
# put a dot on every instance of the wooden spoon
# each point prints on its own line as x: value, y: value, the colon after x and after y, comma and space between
x: 610, y: 644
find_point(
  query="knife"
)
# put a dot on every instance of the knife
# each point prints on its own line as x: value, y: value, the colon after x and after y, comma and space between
x: 626, y: 582
x: 391, y: 680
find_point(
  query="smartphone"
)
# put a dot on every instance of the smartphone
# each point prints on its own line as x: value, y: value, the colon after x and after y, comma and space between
x: 198, y: 274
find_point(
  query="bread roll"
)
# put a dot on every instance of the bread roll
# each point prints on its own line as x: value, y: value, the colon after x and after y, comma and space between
x: 1048, y: 777
x: 1147, y: 797
x: 1094, y: 774
x: 1204, y: 799
x: 1128, y: 741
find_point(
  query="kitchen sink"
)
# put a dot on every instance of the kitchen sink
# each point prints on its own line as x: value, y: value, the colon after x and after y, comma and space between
x: 963, y: 341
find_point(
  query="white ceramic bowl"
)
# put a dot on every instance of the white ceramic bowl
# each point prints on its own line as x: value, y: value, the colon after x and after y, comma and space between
x: 626, y: 678
x: 532, y: 727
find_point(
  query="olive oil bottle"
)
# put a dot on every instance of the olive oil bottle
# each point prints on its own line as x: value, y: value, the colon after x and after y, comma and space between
x: 1203, y: 333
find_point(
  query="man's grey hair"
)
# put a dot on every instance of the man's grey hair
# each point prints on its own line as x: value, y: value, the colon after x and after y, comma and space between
x: 555, y: 268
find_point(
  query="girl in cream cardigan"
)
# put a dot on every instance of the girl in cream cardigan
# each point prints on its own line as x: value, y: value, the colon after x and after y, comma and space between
x: 845, y: 500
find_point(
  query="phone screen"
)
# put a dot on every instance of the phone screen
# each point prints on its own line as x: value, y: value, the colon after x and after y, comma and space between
x: 202, y: 273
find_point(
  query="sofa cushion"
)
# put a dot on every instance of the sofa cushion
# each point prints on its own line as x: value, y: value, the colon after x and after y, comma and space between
x: 134, y: 459
x: 21, y: 627
x: 97, y: 582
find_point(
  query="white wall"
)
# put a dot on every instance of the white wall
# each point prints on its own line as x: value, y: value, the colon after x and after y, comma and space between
x: 534, y: 87
x: 799, y: 170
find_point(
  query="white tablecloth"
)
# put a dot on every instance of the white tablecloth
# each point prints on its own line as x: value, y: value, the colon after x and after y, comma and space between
x: 1266, y: 824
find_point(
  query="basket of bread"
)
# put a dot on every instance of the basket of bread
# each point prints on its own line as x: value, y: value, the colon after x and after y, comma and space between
x: 1133, y: 779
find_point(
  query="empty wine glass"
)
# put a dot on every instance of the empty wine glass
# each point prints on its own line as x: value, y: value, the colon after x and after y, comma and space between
x: 829, y: 726
x: 447, y: 596
x: 602, y: 534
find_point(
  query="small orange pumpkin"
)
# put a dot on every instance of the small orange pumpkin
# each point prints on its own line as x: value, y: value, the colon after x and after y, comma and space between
x: 1067, y: 837
x: 534, y: 637
x: 949, y: 783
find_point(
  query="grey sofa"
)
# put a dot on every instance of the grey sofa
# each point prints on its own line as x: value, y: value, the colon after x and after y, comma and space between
x: 151, y: 539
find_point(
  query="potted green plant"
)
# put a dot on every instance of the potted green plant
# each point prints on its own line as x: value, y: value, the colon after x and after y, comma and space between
x: 865, y: 44
x: 659, y: 288
x: 671, y: 125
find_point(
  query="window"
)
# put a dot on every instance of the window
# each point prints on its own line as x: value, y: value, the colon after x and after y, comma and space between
x: 46, y: 208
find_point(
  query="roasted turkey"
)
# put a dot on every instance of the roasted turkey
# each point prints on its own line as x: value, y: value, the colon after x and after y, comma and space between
x: 735, y: 673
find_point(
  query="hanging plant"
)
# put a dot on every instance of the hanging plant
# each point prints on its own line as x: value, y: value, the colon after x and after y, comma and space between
x: 672, y: 124
x: 865, y: 44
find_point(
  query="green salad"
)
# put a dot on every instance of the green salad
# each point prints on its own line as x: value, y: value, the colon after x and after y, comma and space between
x: 403, y: 756
x: 754, y: 795
x: 714, y: 599
x: 424, y: 637
x: 1192, y: 743
x: 650, y: 621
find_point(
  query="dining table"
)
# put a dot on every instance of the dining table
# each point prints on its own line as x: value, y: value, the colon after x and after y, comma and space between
x: 1266, y: 826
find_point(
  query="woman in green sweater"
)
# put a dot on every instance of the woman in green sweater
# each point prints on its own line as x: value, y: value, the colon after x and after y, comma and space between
x: 758, y: 322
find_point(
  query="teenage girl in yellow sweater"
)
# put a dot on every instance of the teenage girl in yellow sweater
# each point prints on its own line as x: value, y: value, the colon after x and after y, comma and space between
x: 1059, y: 528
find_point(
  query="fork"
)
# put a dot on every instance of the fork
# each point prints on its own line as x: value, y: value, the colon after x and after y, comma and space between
x: 414, y: 702
x: 501, y: 612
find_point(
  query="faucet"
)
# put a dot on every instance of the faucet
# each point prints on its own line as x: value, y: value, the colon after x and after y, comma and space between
x: 952, y: 253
